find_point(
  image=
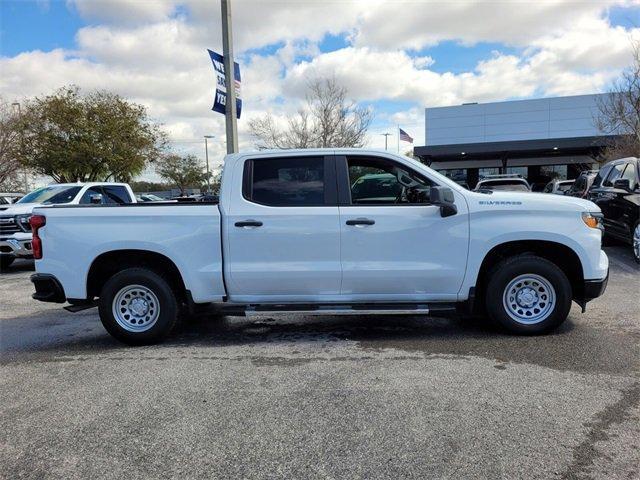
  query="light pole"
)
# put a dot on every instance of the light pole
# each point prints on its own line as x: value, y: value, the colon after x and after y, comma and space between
x: 386, y: 136
x: 229, y: 77
x: 19, y: 108
x: 206, y: 155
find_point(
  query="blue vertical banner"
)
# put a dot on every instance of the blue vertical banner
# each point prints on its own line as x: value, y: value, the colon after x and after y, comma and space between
x: 220, y: 99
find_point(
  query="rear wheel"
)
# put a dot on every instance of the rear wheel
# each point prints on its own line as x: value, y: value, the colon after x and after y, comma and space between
x: 6, y: 261
x: 528, y: 295
x: 137, y: 306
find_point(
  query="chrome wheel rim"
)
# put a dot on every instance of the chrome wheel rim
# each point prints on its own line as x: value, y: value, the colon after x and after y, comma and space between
x: 135, y: 308
x: 529, y: 299
x: 636, y: 242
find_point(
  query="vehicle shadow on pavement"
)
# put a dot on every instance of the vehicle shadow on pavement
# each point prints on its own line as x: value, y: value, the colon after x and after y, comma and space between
x: 573, y: 347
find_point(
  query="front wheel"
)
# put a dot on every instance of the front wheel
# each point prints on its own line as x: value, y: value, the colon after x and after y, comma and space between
x: 528, y: 295
x: 138, y: 307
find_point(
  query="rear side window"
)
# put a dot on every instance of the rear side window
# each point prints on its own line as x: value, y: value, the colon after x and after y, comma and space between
x: 286, y: 182
x: 116, y: 194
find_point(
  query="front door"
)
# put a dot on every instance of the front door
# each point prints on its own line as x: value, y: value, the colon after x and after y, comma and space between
x: 396, y: 246
x: 283, y: 232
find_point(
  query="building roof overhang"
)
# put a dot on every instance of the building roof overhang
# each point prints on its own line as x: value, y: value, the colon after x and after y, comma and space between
x: 515, y: 149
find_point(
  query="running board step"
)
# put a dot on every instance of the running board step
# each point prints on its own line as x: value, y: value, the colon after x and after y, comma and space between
x: 367, y: 309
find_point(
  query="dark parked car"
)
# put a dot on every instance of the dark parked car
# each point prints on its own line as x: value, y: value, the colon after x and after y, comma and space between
x: 582, y: 184
x: 616, y: 190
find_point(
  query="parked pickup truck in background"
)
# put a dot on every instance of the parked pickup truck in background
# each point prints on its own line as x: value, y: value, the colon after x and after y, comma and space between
x: 297, y: 230
x: 15, y: 231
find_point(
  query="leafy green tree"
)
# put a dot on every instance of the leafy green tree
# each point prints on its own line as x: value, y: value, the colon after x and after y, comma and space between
x: 9, y: 143
x: 94, y: 137
x: 182, y: 171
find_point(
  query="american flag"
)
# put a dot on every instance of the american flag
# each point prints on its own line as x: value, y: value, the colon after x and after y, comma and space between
x: 404, y: 136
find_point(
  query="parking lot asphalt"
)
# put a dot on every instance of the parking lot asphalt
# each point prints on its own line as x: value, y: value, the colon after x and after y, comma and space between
x: 322, y: 397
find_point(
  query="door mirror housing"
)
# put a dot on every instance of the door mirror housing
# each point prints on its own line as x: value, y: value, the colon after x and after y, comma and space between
x: 443, y: 197
x: 95, y: 199
x: 622, y: 184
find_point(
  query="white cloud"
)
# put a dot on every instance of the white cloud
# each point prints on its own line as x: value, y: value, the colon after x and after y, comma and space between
x: 154, y: 52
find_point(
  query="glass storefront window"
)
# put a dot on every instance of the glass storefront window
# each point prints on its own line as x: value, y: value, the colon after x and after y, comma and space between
x: 483, y: 172
x: 554, y: 171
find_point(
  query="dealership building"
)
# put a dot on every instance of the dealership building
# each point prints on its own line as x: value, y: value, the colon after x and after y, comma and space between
x: 539, y: 139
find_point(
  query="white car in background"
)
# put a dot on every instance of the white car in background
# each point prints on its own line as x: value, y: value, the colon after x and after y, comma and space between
x: 15, y: 231
x: 506, y: 182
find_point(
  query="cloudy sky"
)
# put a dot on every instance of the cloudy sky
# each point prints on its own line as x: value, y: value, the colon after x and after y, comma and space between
x: 395, y: 56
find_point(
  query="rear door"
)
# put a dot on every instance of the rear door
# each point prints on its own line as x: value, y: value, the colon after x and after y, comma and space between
x: 282, y: 230
x: 395, y: 245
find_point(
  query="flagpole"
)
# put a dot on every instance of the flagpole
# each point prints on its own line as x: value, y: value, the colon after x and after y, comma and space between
x: 398, y: 137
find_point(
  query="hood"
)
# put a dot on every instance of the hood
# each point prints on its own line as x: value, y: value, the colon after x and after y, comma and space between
x: 531, y: 200
x: 19, y: 208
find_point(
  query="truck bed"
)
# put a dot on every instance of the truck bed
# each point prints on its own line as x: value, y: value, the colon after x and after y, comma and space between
x: 188, y: 234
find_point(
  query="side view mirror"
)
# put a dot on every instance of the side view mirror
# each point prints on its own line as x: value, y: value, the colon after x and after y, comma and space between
x: 622, y: 184
x: 96, y: 198
x: 443, y: 197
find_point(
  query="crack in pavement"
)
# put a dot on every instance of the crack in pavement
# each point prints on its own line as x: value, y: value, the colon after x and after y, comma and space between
x: 585, y: 453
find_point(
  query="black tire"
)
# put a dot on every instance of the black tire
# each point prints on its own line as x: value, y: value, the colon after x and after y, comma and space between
x: 510, y: 269
x: 5, y: 262
x: 167, y: 306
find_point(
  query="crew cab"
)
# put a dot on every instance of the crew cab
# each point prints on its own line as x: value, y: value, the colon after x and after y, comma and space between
x: 297, y: 231
x: 15, y: 232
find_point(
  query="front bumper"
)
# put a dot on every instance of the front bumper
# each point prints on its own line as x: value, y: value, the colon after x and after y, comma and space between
x: 591, y: 289
x: 48, y: 288
x: 594, y: 288
x: 16, y: 247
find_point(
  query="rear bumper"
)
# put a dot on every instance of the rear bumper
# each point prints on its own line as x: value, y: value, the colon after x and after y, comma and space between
x: 48, y: 288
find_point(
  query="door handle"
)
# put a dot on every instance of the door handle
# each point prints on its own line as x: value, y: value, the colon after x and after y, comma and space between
x: 248, y: 223
x: 360, y: 221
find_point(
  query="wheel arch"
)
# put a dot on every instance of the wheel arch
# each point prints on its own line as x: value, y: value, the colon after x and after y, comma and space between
x: 109, y: 263
x: 561, y: 255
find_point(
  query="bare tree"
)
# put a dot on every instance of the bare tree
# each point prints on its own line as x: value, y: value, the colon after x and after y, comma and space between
x: 9, y: 146
x: 619, y: 113
x: 328, y: 119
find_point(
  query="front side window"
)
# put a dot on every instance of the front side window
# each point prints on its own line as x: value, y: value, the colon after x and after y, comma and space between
x: 286, y: 182
x: 616, y: 173
x: 375, y: 181
x: 92, y: 192
x: 630, y: 174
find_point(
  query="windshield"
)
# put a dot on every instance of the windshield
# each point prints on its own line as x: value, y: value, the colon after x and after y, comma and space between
x: 52, y: 194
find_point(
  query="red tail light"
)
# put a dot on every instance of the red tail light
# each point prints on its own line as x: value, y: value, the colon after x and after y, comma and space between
x: 36, y: 222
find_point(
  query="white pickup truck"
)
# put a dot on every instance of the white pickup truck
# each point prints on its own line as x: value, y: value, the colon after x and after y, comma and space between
x: 15, y: 232
x: 324, y: 232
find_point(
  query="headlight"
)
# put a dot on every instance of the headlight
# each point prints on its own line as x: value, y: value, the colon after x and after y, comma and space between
x: 23, y: 222
x: 593, y: 220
